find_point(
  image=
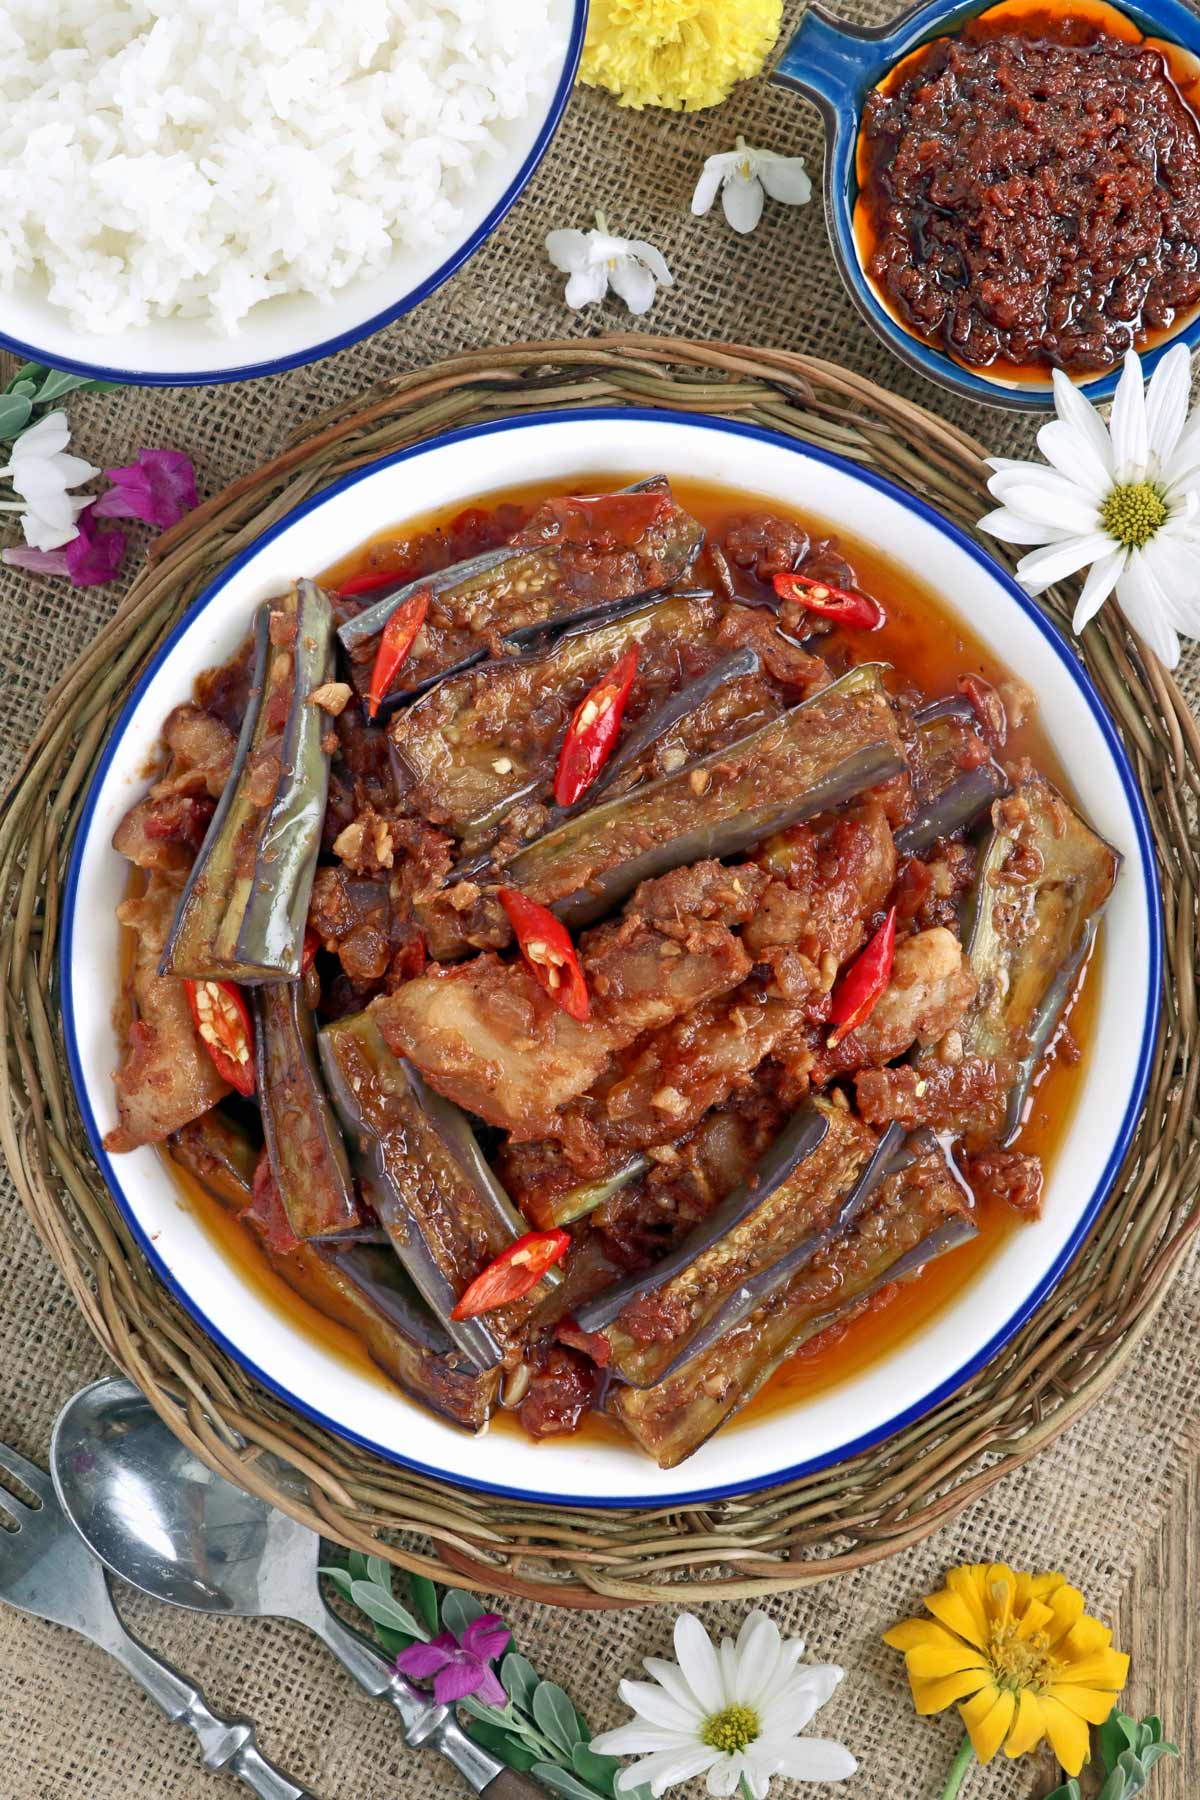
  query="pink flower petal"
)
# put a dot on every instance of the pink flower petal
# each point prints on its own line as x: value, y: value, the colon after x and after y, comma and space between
x: 486, y: 1637
x: 94, y: 556
x: 42, y: 562
x: 423, y: 1661
x: 159, y: 488
x: 458, y: 1679
x: 491, y: 1690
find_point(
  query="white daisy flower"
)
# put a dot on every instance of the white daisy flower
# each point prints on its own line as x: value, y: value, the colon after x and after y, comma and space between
x: 742, y: 175
x: 1125, y: 499
x: 733, y: 1714
x: 41, y: 472
x: 597, y: 261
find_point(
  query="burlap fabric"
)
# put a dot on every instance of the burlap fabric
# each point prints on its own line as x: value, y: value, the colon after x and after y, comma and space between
x: 70, y: 1725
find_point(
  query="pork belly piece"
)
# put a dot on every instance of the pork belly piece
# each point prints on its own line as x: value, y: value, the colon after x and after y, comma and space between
x: 827, y: 880
x: 920, y: 1214
x: 166, y: 829
x: 931, y: 989
x: 1010, y: 1176
x: 486, y: 1035
x: 971, y: 1094
x: 167, y: 1077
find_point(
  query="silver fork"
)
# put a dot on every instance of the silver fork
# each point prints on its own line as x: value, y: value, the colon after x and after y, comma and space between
x: 45, y: 1569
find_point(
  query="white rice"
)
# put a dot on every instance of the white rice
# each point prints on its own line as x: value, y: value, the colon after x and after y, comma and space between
x: 194, y: 157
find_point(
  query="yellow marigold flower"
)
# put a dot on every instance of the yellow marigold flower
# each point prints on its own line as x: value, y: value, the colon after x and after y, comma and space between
x: 684, y: 54
x: 1021, y: 1658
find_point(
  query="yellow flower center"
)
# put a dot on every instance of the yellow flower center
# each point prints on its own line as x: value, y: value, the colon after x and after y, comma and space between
x: 1133, y: 513
x: 731, y: 1730
x: 1020, y: 1662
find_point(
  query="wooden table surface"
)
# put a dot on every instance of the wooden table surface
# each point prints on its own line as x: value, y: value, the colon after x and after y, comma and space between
x: 1159, y: 1624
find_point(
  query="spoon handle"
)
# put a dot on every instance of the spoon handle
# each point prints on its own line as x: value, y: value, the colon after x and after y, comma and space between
x: 227, y: 1743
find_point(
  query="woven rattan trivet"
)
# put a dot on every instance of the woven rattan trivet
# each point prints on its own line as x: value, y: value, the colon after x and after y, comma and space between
x: 836, y: 1520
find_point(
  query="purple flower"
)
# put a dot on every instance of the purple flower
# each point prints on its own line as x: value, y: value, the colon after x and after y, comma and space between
x: 158, y: 488
x: 458, y: 1668
x: 91, y: 558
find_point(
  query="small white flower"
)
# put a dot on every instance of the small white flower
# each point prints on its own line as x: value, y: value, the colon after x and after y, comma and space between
x: 742, y: 175
x: 733, y: 1714
x: 1126, y: 500
x: 596, y: 261
x: 41, y: 472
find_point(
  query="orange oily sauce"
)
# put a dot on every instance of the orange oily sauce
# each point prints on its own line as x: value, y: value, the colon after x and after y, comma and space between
x: 930, y: 646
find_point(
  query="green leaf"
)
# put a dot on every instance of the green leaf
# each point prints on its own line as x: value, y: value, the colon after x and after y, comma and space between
x: 600, y: 1771
x: 1118, y: 1732
x: 393, y: 1641
x: 340, y: 1579
x: 27, y: 372
x: 58, y: 384
x: 22, y: 390
x: 554, y: 1716
x: 561, y: 1781
x: 1069, y: 1792
x: 1152, y: 1752
x: 459, y: 1609
x: 356, y: 1562
x: 425, y: 1598
x: 380, y: 1572
x: 384, y: 1609
x: 520, y: 1678
x: 501, y: 1743
x: 15, y: 413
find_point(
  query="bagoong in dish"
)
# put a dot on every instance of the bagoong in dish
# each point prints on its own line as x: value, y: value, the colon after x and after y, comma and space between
x: 598, y: 952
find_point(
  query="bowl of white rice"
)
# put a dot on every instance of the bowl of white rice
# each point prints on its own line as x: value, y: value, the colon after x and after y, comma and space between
x: 203, y: 190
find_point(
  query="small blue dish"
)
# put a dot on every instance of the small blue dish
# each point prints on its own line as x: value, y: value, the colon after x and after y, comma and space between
x: 836, y: 65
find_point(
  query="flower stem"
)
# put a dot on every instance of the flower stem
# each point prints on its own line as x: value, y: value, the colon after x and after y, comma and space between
x: 601, y: 222
x: 962, y: 1762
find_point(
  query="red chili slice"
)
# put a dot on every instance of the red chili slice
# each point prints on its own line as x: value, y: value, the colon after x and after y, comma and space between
x: 223, y: 1021
x: 853, y: 999
x: 858, y: 612
x: 593, y: 730
x: 398, y: 636
x: 371, y: 580
x: 548, y: 952
x: 513, y: 1273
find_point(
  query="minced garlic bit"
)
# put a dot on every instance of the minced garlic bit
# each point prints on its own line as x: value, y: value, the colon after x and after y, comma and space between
x: 332, y: 697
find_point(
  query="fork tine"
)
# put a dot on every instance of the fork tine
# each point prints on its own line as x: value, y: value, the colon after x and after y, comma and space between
x: 22, y: 1470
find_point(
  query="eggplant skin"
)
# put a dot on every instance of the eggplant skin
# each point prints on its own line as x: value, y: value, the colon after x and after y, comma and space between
x: 672, y: 1420
x: 1044, y: 879
x: 308, y: 1157
x: 816, y: 757
x: 220, y: 1154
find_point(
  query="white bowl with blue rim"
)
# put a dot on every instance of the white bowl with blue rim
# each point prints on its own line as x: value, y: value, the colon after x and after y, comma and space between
x: 836, y: 65
x: 909, y: 1378
x: 288, y: 330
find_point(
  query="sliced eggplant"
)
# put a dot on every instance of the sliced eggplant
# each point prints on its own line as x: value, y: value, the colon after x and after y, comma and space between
x: 221, y: 1154
x: 816, y: 757
x: 481, y: 740
x: 949, y: 796
x: 1044, y: 879
x: 921, y: 1213
x: 261, y: 937
x: 308, y: 1156
x: 427, y: 1179
x: 359, y: 1286
x: 189, y: 946
x: 764, y: 1219
x: 517, y: 590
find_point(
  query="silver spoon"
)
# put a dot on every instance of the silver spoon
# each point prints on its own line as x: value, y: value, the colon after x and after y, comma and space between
x: 164, y: 1522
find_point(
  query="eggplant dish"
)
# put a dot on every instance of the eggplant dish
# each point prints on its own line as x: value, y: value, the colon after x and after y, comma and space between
x: 591, y: 963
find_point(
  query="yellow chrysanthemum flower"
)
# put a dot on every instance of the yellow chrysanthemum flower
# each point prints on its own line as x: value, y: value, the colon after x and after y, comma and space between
x: 1021, y: 1658
x: 684, y: 54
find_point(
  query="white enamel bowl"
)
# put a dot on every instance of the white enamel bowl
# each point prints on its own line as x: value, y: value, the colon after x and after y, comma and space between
x: 288, y: 330
x: 910, y: 1379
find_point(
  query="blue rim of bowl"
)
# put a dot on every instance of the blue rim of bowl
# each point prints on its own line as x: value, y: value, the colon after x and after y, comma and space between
x: 882, y: 46
x: 964, y: 1373
x: 355, y: 335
